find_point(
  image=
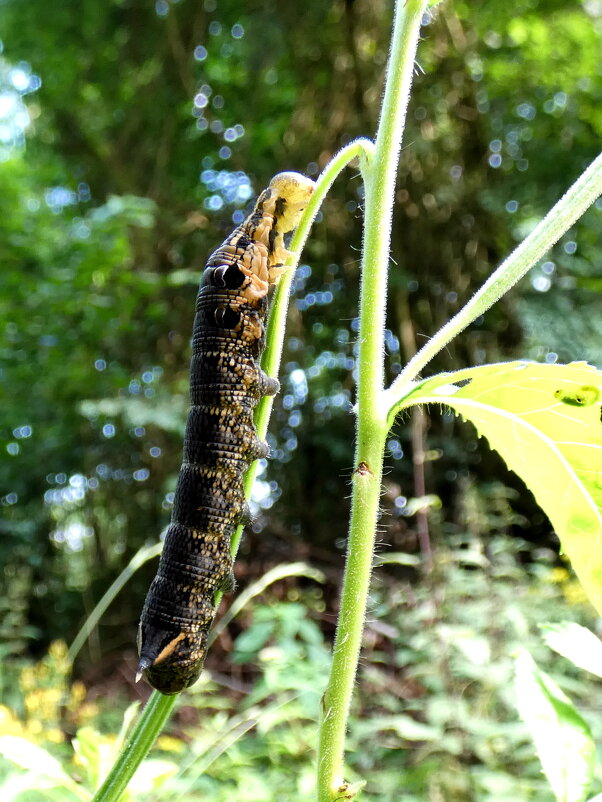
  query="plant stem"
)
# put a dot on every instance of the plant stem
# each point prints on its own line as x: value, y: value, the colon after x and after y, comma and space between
x: 337, y: 697
x: 380, y: 176
x: 142, y: 555
x: 277, y: 320
x: 142, y: 737
x: 558, y: 220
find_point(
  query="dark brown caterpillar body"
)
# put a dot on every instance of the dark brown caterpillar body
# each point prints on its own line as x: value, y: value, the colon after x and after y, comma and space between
x: 226, y: 384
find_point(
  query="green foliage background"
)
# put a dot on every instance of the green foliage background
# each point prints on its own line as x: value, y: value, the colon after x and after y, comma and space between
x: 150, y: 128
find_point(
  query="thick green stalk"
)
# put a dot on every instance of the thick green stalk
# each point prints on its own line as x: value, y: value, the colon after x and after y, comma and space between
x: 336, y: 702
x: 548, y: 231
x: 380, y: 175
x: 142, y: 737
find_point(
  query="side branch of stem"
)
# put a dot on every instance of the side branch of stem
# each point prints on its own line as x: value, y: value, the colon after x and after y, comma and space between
x: 578, y: 198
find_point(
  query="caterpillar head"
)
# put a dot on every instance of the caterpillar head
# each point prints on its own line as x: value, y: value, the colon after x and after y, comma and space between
x: 292, y: 192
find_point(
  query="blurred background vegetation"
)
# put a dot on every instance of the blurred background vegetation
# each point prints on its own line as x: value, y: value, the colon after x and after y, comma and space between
x: 133, y: 136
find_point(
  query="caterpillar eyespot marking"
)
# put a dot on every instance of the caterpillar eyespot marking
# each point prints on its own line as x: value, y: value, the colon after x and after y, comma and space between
x: 228, y: 277
x: 226, y: 317
x: 220, y: 442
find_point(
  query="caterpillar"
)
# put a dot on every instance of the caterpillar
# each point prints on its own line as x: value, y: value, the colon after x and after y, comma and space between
x: 220, y: 440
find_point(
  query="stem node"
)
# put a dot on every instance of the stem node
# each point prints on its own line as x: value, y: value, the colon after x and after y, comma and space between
x: 363, y: 469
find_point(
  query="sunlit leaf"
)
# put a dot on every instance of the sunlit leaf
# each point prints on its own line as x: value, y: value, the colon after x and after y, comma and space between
x: 169, y: 416
x: 152, y: 775
x: 577, y: 643
x: 31, y: 757
x: 95, y: 752
x: 545, y: 421
x: 38, y: 763
x: 562, y: 738
x: 26, y: 786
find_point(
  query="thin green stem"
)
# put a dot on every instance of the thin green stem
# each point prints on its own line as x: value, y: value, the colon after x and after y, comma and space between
x: 363, y: 148
x: 277, y: 320
x: 379, y: 175
x: 142, y: 556
x: 148, y: 726
x: 586, y: 189
x: 380, y: 182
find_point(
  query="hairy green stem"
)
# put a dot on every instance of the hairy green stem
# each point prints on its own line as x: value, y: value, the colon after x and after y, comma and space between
x: 380, y: 176
x: 272, y: 355
x: 586, y: 189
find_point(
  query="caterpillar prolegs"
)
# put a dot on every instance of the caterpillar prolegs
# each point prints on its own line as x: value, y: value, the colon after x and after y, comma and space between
x: 220, y: 442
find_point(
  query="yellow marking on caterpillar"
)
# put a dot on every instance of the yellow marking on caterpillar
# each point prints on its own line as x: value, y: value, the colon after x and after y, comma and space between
x: 169, y: 648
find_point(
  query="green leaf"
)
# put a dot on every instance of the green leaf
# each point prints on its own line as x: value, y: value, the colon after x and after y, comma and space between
x: 577, y: 643
x: 142, y: 556
x: 545, y: 421
x: 562, y: 738
x: 39, y: 764
x: 28, y: 756
x: 168, y: 415
x: 252, y: 640
x: 151, y: 776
